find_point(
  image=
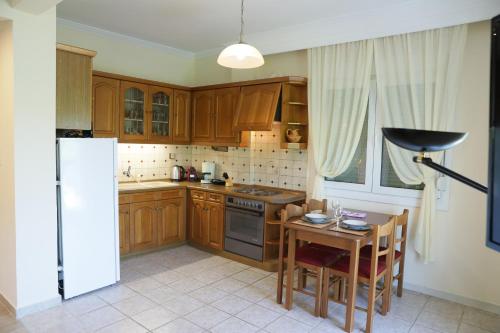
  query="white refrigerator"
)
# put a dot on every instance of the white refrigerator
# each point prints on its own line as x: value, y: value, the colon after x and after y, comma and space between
x: 88, y: 235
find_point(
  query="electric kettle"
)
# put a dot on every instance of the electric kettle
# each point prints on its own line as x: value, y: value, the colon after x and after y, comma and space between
x: 178, y: 173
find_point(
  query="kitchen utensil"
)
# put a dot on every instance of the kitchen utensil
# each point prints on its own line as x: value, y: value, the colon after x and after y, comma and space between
x: 208, y: 172
x: 191, y: 174
x: 178, y: 173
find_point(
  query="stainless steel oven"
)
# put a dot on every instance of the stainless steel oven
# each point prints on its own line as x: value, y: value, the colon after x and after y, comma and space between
x: 244, y: 227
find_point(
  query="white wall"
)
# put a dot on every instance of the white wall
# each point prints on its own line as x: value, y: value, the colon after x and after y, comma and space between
x: 31, y: 147
x: 123, y: 55
x: 465, y: 268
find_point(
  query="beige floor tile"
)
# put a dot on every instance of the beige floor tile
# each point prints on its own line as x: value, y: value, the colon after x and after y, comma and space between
x: 179, y: 325
x: 115, y: 293
x: 269, y: 284
x: 230, y: 268
x: 83, y: 304
x: 229, y: 285
x: 161, y: 295
x: 258, y: 315
x: 144, y: 285
x: 485, y: 320
x: 390, y: 324
x: 449, y: 309
x: 233, y: 325
x: 270, y: 303
x: 129, y: 275
x: 249, y: 276
x: 207, y: 317
x: 252, y: 294
x: 329, y: 326
x: 438, y: 321
x: 422, y: 329
x: 287, y: 325
x: 43, y: 320
x: 466, y: 328
x: 183, y: 305
x: 208, y: 294
x: 209, y: 276
x: 100, y: 318
x: 231, y: 304
x: 155, y: 317
x: 186, y: 285
x: 304, y: 315
x: 134, y: 305
x: 16, y: 327
x: 123, y: 326
x: 168, y: 277
x: 405, y: 312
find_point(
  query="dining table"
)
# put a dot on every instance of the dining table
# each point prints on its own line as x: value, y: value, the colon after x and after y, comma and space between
x: 342, y: 240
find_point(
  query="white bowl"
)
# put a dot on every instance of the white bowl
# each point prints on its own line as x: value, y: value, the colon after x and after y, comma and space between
x: 355, y: 223
x: 316, y: 217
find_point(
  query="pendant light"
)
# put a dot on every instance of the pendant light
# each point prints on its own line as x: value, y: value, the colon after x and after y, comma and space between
x: 240, y: 55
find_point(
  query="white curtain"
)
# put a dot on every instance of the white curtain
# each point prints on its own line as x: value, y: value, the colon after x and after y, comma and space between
x: 338, y: 87
x: 418, y: 78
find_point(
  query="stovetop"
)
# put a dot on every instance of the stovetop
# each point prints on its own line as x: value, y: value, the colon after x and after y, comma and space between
x: 257, y: 191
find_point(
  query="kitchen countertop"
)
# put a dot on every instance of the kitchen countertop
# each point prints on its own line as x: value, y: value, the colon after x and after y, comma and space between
x: 286, y: 196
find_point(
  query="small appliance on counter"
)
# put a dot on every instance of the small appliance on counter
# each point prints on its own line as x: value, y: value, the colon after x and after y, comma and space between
x: 207, y: 172
x: 191, y: 174
x: 178, y: 173
x: 218, y: 182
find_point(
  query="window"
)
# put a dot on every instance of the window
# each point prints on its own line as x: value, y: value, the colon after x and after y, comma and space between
x: 371, y: 175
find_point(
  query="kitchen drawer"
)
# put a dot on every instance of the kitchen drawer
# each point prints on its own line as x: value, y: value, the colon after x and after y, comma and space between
x: 200, y: 195
x: 215, y: 197
x: 143, y: 196
x: 170, y: 194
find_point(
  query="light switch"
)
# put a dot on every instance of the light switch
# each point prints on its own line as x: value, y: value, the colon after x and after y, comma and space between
x: 171, y: 156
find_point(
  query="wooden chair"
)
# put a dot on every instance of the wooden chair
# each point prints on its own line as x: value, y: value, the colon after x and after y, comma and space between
x: 399, y: 254
x: 311, y: 260
x: 370, y: 271
x: 314, y: 204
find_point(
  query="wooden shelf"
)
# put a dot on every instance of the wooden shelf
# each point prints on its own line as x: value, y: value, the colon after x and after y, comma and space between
x: 273, y: 222
x: 289, y: 145
x: 296, y: 123
x: 273, y: 242
x: 297, y: 103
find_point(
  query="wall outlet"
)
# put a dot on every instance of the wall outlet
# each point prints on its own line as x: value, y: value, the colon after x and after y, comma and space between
x: 171, y: 156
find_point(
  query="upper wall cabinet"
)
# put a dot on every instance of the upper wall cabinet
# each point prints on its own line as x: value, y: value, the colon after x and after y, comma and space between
x: 181, y: 117
x: 158, y: 114
x: 134, y: 99
x: 213, y: 115
x: 74, y: 88
x: 257, y: 106
x: 105, y: 116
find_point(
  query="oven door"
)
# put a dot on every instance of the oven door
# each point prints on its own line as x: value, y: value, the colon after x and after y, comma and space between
x: 245, y: 225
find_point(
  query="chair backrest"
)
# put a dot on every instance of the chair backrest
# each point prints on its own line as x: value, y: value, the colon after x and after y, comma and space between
x: 378, y: 233
x: 290, y: 211
x: 402, y: 230
x: 314, y: 204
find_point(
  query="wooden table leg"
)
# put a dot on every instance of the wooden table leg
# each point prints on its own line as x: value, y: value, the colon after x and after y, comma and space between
x: 290, y: 269
x: 351, y: 290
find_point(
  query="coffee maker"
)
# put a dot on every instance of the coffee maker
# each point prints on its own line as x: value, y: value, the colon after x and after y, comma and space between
x: 207, y: 172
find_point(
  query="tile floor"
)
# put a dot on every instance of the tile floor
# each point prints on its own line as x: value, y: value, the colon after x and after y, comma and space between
x: 186, y: 290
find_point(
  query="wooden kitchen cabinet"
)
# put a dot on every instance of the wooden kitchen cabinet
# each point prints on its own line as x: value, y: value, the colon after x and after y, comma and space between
x: 171, y: 217
x: 73, y: 87
x: 202, y: 129
x: 257, y: 106
x: 105, y: 114
x: 215, y: 221
x: 158, y: 114
x: 181, y: 122
x: 143, y: 226
x: 206, y: 222
x: 226, y: 101
x: 124, y: 226
x: 134, y: 100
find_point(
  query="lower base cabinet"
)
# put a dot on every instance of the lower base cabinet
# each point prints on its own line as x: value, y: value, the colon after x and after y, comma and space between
x: 147, y: 221
x: 206, y: 220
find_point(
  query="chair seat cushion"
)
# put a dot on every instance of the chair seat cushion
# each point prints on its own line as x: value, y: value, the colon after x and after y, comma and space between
x: 316, y: 257
x: 366, y: 252
x: 363, y: 269
x: 326, y: 248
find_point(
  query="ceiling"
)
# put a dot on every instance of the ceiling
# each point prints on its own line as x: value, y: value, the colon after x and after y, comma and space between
x: 199, y: 26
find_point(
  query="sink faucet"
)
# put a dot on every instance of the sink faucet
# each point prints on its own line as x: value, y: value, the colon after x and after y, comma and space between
x: 128, y: 173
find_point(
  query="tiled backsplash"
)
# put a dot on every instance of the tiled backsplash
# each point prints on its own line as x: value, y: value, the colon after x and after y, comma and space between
x: 263, y: 163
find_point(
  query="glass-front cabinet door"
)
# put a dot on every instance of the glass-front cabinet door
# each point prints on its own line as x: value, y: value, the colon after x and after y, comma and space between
x: 134, y: 102
x: 160, y: 114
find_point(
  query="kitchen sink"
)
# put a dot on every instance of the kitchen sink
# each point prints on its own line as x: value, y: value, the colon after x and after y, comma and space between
x: 145, y: 185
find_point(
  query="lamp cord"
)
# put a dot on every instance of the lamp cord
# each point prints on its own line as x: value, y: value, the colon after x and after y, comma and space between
x: 242, y: 21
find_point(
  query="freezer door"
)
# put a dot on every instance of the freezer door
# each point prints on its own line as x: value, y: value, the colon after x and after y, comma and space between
x: 88, y: 214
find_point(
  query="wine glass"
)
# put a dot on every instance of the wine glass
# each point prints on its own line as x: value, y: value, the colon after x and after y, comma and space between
x: 337, y: 211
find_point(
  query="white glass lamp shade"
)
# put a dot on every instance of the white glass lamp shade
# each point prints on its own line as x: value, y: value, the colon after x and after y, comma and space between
x: 240, y: 55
